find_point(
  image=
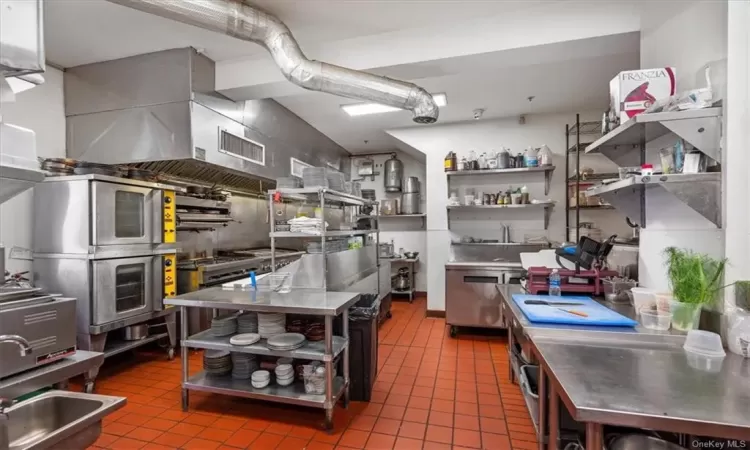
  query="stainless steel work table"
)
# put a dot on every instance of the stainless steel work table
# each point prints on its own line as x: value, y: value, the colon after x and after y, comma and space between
x: 630, y: 377
x: 298, y: 301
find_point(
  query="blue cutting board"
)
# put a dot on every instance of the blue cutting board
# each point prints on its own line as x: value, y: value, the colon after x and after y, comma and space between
x: 597, y: 314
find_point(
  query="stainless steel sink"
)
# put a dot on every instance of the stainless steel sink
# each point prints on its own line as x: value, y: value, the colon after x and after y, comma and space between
x: 56, y: 419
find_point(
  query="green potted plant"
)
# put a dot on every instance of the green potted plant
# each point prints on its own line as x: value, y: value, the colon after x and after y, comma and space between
x: 742, y: 295
x: 695, y: 280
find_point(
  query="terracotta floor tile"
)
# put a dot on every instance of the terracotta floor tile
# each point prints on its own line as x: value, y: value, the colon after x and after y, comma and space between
x: 279, y: 428
x: 524, y: 445
x: 419, y: 402
x: 363, y: 423
x: 467, y: 438
x: 303, y: 432
x: 491, y: 441
x: 119, y: 429
x: 134, y: 419
x: 400, y: 390
x: 397, y: 399
x: 387, y: 426
x: 393, y: 412
x: 373, y: 409
x: 256, y: 424
x: 412, y: 430
x: 442, y: 405
x: 524, y: 421
x: 421, y: 391
x: 242, y: 438
x: 468, y: 409
x: 160, y: 424
x: 379, y: 441
x: 326, y: 437
x: 177, y: 415
x: 104, y: 440
x: 378, y: 397
x: 315, y: 445
x: 354, y: 439
x: 144, y: 434
x: 203, y: 420
x: 439, y: 434
x: 266, y: 441
x: 293, y: 443
x: 215, y: 434
x: 416, y: 415
x: 465, y: 422
x: 154, y: 446
x: 127, y: 444
x: 172, y: 440
x: 443, y: 419
x: 187, y: 429
x: 491, y: 411
x: 520, y: 436
x: 525, y: 428
x: 435, y: 446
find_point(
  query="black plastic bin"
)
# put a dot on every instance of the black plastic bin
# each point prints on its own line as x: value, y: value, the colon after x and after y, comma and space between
x: 363, y: 347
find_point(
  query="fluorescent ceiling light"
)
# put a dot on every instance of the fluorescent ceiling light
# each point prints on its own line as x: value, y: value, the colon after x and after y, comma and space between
x: 361, y: 109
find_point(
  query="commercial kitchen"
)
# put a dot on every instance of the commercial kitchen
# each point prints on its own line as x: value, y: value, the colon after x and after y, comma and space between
x: 341, y: 224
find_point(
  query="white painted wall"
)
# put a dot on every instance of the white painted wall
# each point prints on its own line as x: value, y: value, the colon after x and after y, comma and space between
x: 686, y: 35
x: 40, y: 109
x: 482, y: 136
x: 737, y: 166
x: 406, y: 233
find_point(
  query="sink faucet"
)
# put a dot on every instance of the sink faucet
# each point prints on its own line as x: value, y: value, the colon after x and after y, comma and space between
x: 506, y: 233
x: 22, y: 343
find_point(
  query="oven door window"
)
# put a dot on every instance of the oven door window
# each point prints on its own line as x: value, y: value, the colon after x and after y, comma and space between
x: 129, y: 207
x: 130, y: 287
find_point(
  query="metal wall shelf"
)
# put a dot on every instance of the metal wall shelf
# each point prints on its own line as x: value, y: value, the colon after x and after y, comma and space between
x: 699, y: 191
x: 700, y: 127
x: 546, y: 207
x: 314, y: 193
x: 547, y: 170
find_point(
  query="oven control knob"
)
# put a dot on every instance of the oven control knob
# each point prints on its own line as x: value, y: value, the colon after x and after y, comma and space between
x: 168, y: 262
x: 168, y: 200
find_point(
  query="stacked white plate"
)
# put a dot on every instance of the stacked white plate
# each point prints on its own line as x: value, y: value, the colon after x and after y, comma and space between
x: 243, y: 364
x: 271, y: 324
x: 247, y: 322
x: 286, y: 341
x: 224, y: 325
x: 217, y: 362
x: 284, y: 374
x: 260, y: 379
x: 244, y: 339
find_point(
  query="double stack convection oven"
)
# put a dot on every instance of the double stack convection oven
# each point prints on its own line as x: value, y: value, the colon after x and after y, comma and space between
x: 110, y: 243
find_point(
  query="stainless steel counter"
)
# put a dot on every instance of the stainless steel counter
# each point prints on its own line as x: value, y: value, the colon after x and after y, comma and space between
x: 483, y: 264
x: 630, y: 377
x: 49, y: 374
x: 299, y: 301
x: 649, y: 386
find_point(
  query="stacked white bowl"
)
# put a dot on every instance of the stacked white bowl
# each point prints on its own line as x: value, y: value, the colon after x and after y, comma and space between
x: 260, y: 379
x: 284, y: 374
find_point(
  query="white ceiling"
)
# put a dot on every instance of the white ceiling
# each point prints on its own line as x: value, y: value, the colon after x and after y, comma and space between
x: 565, y: 76
x: 85, y: 31
x: 571, y: 76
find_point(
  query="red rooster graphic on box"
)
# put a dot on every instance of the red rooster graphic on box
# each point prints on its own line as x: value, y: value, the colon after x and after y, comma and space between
x: 638, y: 100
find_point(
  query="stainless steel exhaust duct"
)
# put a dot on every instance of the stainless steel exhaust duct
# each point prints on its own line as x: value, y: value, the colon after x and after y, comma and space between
x: 248, y: 23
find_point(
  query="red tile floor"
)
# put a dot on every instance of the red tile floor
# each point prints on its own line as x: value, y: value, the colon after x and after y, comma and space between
x: 432, y: 392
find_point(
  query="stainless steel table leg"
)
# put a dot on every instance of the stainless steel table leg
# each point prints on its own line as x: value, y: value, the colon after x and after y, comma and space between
x: 329, y: 371
x: 554, y: 418
x: 511, y: 375
x: 184, y: 355
x: 171, y: 323
x: 542, y: 422
x: 594, y: 438
x: 345, y: 332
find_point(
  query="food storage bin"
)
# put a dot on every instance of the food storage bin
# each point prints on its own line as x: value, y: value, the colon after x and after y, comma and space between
x: 655, y: 319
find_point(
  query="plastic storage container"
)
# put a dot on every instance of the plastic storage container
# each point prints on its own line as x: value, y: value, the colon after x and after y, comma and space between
x: 738, y: 337
x: 655, y: 319
x: 643, y: 298
x: 704, y: 351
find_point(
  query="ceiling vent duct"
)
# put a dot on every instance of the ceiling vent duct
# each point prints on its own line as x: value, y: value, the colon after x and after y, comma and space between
x: 249, y: 23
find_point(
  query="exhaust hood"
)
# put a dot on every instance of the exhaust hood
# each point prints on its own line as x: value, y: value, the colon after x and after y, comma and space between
x: 159, y: 112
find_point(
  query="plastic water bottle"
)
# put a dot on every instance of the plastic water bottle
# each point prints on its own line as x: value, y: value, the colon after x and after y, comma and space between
x: 554, y: 283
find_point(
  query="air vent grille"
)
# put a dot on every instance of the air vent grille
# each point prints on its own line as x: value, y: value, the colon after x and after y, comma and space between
x: 242, y: 147
x: 297, y: 167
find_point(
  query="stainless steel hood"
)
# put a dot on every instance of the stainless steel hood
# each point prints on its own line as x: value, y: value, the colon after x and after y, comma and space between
x: 159, y: 111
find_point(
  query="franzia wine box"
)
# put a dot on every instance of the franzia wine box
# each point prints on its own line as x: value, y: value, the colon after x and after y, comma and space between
x: 632, y: 91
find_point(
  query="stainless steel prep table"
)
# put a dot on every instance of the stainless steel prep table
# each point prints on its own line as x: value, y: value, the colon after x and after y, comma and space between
x: 299, y: 301
x: 629, y: 377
